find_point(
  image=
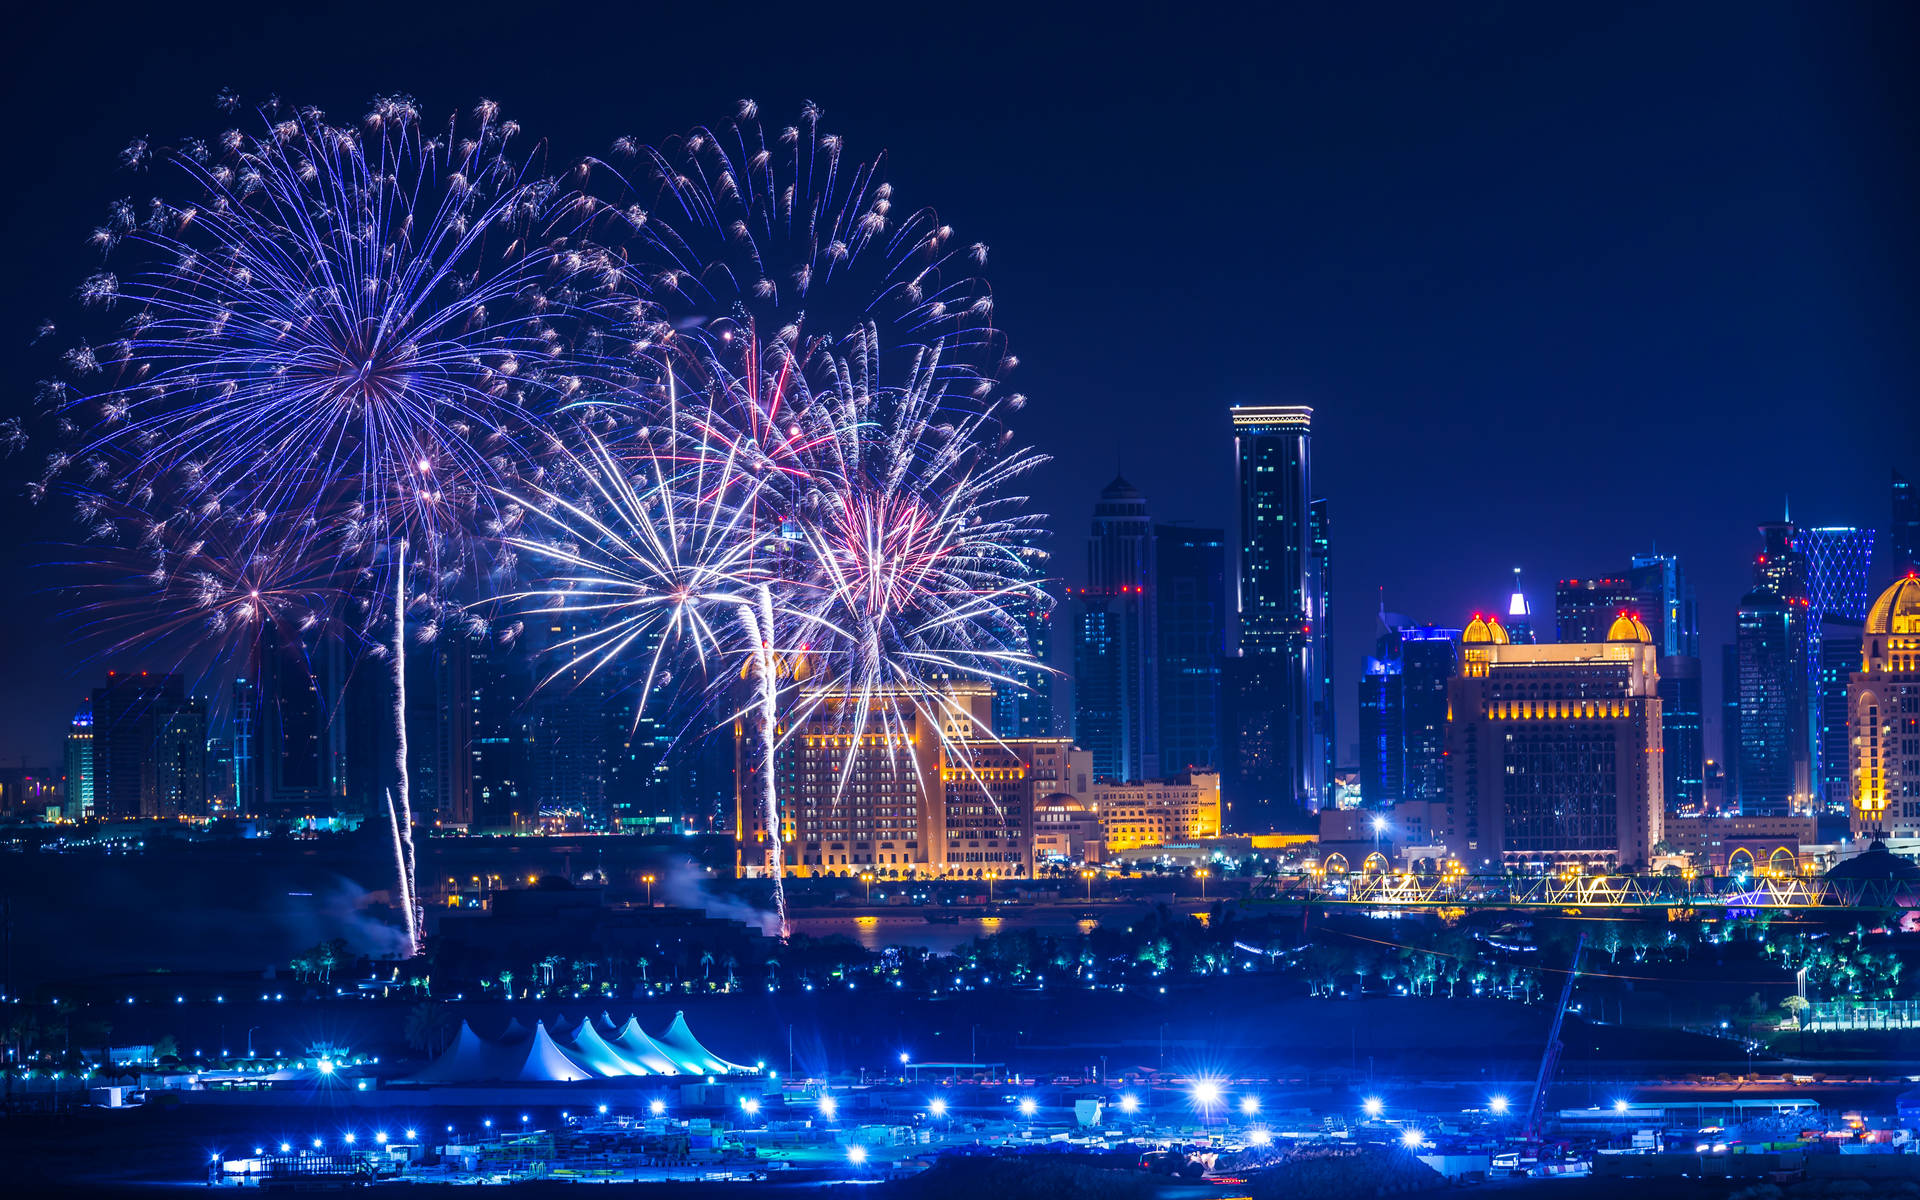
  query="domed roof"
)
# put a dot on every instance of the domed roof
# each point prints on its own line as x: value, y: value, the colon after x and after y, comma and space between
x: 1876, y: 864
x: 1627, y: 627
x: 1899, y: 603
x: 1484, y: 630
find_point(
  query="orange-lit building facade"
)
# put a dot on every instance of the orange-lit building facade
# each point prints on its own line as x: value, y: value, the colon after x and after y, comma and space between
x: 906, y: 807
x: 1883, y: 710
x: 1554, y: 751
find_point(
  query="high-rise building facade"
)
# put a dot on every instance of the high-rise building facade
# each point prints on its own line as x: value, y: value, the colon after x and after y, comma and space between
x: 1024, y: 707
x: 1403, y: 711
x: 1884, y: 699
x: 1520, y: 616
x: 1839, y: 657
x: 149, y: 748
x: 79, y: 756
x: 1553, y: 751
x: 1776, y: 756
x: 1190, y: 596
x: 1116, y: 683
x: 1275, y: 698
x: 1664, y: 599
x: 1584, y: 609
x: 1903, y: 526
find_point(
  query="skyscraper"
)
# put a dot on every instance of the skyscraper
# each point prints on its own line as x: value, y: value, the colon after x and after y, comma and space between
x: 1024, y: 708
x: 1429, y: 659
x: 1839, y: 567
x: 1839, y: 571
x: 1840, y: 642
x: 1275, y: 701
x: 1775, y: 759
x: 1519, y: 615
x: 149, y: 748
x: 1584, y: 609
x: 1114, y: 640
x: 79, y: 796
x: 1323, y: 738
x: 1190, y: 595
x: 1903, y: 527
x: 1664, y: 601
x: 567, y: 740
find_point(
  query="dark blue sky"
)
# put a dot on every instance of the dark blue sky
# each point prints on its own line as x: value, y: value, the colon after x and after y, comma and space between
x: 1560, y: 282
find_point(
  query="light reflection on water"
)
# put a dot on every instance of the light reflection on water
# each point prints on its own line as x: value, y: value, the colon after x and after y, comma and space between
x: 876, y: 932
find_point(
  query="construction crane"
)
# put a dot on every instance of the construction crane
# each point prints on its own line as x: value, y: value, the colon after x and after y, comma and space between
x: 1550, y: 1060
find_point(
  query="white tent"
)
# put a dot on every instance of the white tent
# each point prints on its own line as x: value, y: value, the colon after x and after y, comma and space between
x: 587, y: 1048
x: 634, y: 1044
x: 542, y: 1061
x: 466, y: 1058
x: 681, y: 1046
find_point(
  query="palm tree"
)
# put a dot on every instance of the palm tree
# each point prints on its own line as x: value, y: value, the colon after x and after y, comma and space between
x: 773, y: 966
x: 506, y: 983
x: 706, y: 965
x: 642, y: 962
x: 730, y: 962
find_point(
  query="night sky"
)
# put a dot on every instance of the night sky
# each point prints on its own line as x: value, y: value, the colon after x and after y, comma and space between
x: 1559, y: 285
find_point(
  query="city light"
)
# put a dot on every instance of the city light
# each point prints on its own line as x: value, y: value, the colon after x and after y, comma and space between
x: 317, y: 1143
x: 750, y: 1106
x: 1372, y: 1106
x: 1260, y: 1137
x: 856, y: 1155
x: 1497, y: 1106
x: 657, y: 1107
x: 828, y: 1106
x: 286, y: 1148
x: 1249, y: 1105
x: 1027, y: 1106
x: 603, y: 1110
x: 350, y: 1139
x: 1412, y: 1139
x: 937, y: 1107
x: 325, y: 1066
x: 1621, y: 1106
x: 381, y: 1137
x: 1129, y: 1103
x: 411, y: 1135
x: 1206, y: 1093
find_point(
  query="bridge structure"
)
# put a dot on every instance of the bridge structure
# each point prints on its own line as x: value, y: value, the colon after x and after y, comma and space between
x: 1703, y: 895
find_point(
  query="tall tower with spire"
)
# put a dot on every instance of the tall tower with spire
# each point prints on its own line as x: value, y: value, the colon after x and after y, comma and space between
x: 1519, y: 615
x: 1115, y: 709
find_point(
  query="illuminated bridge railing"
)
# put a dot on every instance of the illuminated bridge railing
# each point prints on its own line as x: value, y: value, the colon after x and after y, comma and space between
x: 1592, y: 891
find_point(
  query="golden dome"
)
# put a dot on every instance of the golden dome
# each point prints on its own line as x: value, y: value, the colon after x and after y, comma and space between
x: 1628, y: 627
x: 1898, y: 608
x: 1484, y: 630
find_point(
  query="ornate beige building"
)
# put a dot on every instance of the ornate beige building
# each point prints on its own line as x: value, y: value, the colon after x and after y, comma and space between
x: 1883, y: 716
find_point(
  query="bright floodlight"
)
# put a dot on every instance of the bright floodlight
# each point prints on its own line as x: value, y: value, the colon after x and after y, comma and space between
x: 1412, y: 1138
x: 381, y: 1137
x: 316, y: 1143
x: 603, y: 1110
x: 1260, y: 1137
x: 905, y: 1058
x: 1249, y: 1105
x: 1027, y: 1106
x: 657, y: 1107
x: 751, y: 1105
x: 286, y: 1148
x: 1206, y: 1093
x: 1129, y: 1103
x: 1497, y: 1106
x: 856, y: 1155
x: 325, y: 1065
x: 828, y: 1106
x: 411, y: 1135
x: 937, y: 1107
x: 350, y: 1139
x: 1620, y: 1106
x: 1379, y: 824
x: 1372, y: 1106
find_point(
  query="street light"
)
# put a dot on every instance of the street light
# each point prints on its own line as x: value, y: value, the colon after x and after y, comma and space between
x: 991, y: 876
x: 866, y: 877
x: 1202, y: 873
x: 1028, y: 1107
x: 1088, y: 876
x: 937, y: 1107
x: 1129, y: 1104
x: 648, y: 880
x: 1372, y: 1106
x: 1497, y: 1106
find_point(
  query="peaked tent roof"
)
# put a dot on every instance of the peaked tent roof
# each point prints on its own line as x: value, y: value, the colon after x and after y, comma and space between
x: 467, y: 1057
x: 542, y: 1061
x: 587, y: 1048
x: 643, y: 1051
x: 679, y: 1041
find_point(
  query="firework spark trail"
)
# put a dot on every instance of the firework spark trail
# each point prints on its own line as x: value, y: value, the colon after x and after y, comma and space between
x: 370, y: 318
x: 759, y: 627
x: 403, y: 823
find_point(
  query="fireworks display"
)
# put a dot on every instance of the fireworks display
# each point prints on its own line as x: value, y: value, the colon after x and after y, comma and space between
x: 714, y: 397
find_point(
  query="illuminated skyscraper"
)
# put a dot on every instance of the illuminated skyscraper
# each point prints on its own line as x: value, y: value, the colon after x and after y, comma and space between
x: 1519, y: 615
x: 1275, y: 698
x: 1664, y: 601
x: 1024, y: 708
x: 1839, y: 566
x: 79, y: 795
x: 149, y: 748
x: 1903, y: 529
x: 1584, y: 609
